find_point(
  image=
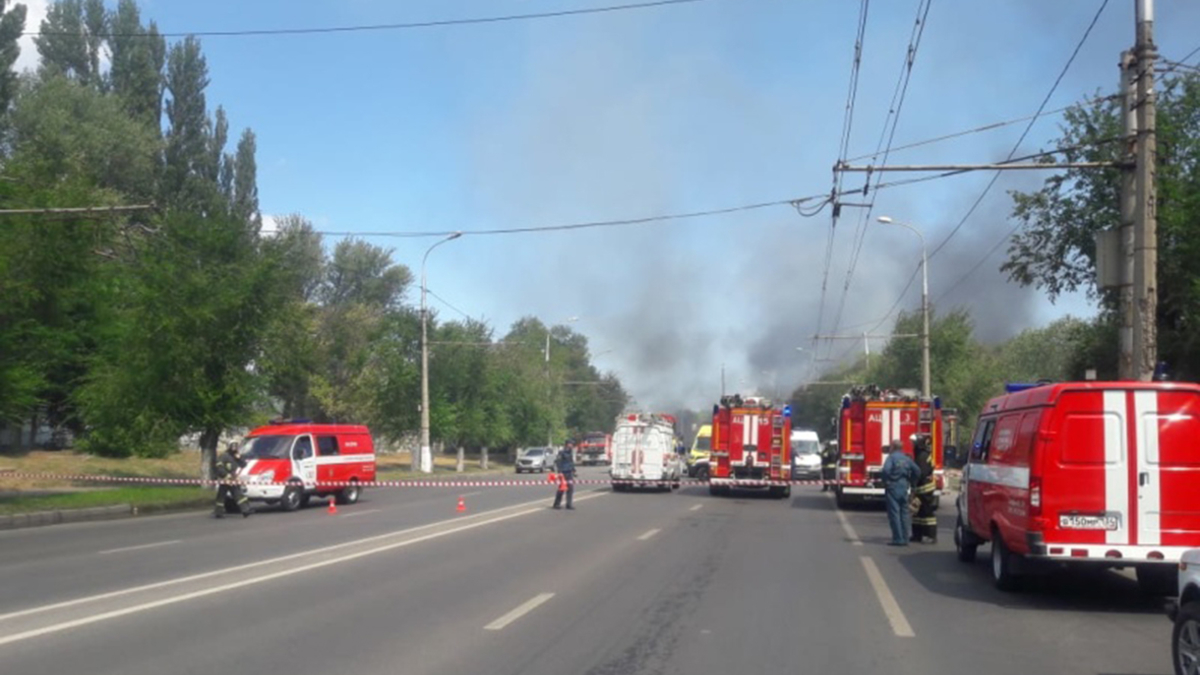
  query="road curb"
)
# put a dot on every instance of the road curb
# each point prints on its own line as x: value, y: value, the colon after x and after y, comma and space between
x: 43, y: 518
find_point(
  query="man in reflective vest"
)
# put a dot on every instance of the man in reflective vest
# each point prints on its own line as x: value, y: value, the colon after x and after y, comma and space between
x: 565, y: 465
x: 226, y: 469
x: 924, y: 522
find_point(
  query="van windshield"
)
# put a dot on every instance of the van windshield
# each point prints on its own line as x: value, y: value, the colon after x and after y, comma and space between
x: 703, y: 443
x: 805, y: 447
x: 267, y: 447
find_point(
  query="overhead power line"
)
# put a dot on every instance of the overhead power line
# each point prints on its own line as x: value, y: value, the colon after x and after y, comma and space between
x: 995, y: 176
x: 399, y: 26
x: 447, y: 304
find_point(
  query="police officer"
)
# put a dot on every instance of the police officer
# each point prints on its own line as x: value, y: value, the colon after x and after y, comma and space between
x: 829, y: 458
x: 899, y: 472
x: 226, y: 469
x: 565, y: 465
x: 924, y: 522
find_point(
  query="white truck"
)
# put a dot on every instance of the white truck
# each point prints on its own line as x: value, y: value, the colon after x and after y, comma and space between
x: 644, y: 453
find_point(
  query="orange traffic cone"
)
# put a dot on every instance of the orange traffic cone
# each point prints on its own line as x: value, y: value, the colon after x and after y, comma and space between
x: 332, y: 505
x: 462, y: 505
x: 562, y: 485
x: 553, y: 477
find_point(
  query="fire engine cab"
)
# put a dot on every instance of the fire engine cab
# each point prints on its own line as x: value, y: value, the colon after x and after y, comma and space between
x: 750, y: 446
x: 871, y: 418
x: 1097, y: 473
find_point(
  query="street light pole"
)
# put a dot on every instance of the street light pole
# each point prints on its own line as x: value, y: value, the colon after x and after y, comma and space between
x: 925, y: 376
x: 424, y: 462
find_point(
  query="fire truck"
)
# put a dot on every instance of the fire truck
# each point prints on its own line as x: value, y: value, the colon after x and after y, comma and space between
x: 871, y: 418
x: 595, y: 448
x: 750, y: 446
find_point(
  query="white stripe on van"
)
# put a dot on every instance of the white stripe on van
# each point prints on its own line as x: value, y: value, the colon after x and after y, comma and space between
x: 1116, y: 465
x: 1149, y: 506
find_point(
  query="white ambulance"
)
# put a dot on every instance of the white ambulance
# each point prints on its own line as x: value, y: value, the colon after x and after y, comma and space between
x: 644, y: 453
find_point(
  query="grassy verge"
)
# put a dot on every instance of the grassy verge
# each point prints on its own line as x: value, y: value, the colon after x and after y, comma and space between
x: 146, y: 499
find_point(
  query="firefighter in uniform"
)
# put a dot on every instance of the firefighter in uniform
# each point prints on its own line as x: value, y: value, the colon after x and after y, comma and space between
x: 565, y: 465
x: 829, y: 460
x: 899, y: 472
x: 924, y: 522
x: 226, y: 469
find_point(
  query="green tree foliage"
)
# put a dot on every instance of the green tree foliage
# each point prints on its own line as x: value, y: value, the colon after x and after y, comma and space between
x: 71, y: 38
x: 190, y: 175
x: 12, y: 24
x: 139, y: 55
x: 1055, y: 249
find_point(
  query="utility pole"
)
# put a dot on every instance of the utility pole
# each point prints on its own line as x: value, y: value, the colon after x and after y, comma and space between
x: 423, y: 458
x: 1145, y: 231
x: 1127, y: 312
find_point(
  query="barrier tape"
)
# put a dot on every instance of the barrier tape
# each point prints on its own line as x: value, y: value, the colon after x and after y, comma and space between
x: 200, y: 482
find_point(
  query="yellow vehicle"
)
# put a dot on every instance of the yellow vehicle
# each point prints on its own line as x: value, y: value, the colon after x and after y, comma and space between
x: 697, y: 460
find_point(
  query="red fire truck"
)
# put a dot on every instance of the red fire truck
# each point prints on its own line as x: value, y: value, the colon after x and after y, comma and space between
x: 595, y: 448
x: 871, y: 418
x: 750, y: 446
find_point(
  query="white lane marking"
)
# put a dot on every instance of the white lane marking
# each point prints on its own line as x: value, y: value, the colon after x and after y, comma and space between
x: 696, y: 507
x: 104, y: 616
x: 471, y: 494
x: 525, y: 608
x: 849, y: 529
x: 142, y: 546
x: 647, y: 535
x: 260, y: 563
x: 360, y: 513
x: 891, y: 608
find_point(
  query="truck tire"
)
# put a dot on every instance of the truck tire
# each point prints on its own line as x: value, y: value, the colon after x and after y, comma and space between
x: 1185, y: 643
x: 963, y: 542
x: 1158, y: 580
x: 1002, y: 565
x: 350, y: 494
x: 702, y: 472
x: 293, y: 496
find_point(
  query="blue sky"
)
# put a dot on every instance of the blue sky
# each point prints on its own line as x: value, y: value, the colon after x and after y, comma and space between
x: 672, y: 109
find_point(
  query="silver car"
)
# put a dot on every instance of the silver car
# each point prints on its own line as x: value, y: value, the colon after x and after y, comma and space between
x: 535, y: 459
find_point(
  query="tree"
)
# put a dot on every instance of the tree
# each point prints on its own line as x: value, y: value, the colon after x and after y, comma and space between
x: 243, y: 188
x: 70, y: 40
x: 1055, y: 249
x: 189, y: 180
x: 12, y: 24
x: 138, y: 57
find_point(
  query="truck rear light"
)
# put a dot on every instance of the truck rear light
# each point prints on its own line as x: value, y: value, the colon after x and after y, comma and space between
x: 1035, y: 496
x: 1155, y: 555
x: 1079, y: 553
x: 1057, y: 550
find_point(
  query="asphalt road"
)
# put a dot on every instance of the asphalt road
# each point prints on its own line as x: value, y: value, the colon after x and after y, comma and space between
x: 626, y: 583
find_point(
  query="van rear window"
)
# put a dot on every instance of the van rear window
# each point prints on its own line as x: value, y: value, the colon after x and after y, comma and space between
x: 1082, y: 440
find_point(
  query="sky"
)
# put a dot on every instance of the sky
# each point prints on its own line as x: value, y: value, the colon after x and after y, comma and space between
x: 672, y: 109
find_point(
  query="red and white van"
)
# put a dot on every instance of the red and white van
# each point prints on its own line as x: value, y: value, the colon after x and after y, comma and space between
x: 289, y: 463
x: 1104, y: 473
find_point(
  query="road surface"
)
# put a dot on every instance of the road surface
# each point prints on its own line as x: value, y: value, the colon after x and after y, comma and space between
x: 626, y: 583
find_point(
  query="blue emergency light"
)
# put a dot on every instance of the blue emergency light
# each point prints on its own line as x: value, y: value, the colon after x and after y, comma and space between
x: 787, y: 411
x: 1014, y: 387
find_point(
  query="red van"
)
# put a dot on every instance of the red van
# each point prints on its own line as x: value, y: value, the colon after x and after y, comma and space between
x: 288, y: 463
x: 1103, y: 473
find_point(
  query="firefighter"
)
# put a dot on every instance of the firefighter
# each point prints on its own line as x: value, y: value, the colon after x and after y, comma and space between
x: 565, y: 465
x: 226, y: 469
x: 899, y: 472
x: 829, y: 461
x: 924, y: 521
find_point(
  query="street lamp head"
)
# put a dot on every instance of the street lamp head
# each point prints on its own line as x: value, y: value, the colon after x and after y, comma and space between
x: 886, y: 220
x: 454, y: 235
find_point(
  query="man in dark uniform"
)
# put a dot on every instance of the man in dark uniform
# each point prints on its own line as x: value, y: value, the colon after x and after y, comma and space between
x: 565, y: 465
x: 924, y: 522
x: 226, y: 469
x: 899, y: 471
x: 829, y: 460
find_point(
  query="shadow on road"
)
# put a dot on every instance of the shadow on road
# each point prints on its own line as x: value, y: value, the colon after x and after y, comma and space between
x: 1075, y: 589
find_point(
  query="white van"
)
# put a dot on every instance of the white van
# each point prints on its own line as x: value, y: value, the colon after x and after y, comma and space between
x: 644, y: 453
x: 806, y: 455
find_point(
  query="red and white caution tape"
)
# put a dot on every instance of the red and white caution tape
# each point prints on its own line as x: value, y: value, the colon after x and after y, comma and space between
x: 146, y: 480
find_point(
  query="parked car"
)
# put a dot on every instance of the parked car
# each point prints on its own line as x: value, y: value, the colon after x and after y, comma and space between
x: 1184, y: 612
x: 535, y: 459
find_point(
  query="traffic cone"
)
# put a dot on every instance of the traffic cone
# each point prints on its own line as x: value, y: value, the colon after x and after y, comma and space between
x: 462, y: 505
x: 332, y: 505
x: 553, y: 477
x: 562, y: 485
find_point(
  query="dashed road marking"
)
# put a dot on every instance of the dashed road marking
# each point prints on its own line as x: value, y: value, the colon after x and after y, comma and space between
x: 525, y: 608
x: 646, y: 535
x: 891, y: 608
x: 140, y: 547
x: 696, y: 507
x: 849, y: 529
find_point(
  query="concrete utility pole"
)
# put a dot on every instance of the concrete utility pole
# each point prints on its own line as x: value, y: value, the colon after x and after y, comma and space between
x: 1145, y: 231
x: 1126, y: 311
x: 424, y: 462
